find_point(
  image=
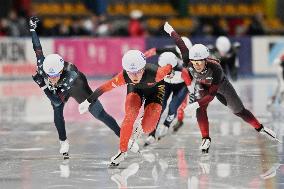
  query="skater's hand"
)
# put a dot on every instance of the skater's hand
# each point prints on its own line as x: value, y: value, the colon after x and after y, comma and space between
x: 39, y: 80
x: 33, y: 23
x: 168, y: 28
x: 192, y: 108
x: 84, y: 107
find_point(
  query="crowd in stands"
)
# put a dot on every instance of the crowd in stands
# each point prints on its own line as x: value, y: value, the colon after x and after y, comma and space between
x: 133, y: 23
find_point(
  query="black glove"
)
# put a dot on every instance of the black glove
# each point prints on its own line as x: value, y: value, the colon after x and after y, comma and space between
x: 39, y: 80
x: 33, y: 22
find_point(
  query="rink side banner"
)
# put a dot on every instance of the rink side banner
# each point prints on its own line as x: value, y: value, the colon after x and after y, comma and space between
x: 265, y: 50
x: 97, y: 57
x: 17, y: 58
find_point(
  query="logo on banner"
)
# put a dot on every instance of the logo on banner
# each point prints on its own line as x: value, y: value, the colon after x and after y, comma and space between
x: 12, y: 51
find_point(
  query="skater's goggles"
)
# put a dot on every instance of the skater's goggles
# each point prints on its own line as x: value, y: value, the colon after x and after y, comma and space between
x: 54, y: 75
x: 136, y: 72
x: 197, y: 62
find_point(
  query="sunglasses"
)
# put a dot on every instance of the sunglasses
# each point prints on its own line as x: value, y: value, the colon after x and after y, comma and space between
x: 195, y: 62
x: 55, y: 75
x: 136, y: 72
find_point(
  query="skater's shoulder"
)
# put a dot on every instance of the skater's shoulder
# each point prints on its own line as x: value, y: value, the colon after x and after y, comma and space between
x: 213, y: 63
x: 70, y: 67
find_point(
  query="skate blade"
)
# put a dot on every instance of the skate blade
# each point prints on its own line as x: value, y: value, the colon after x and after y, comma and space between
x: 65, y: 156
x: 176, y: 130
x: 146, y: 144
x: 113, y: 165
x: 278, y: 140
x: 205, y: 151
x: 159, y: 138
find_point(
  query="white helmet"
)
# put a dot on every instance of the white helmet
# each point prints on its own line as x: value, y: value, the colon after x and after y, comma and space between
x: 133, y: 61
x: 53, y: 64
x: 223, y: 44
x: 167, y: 58
x: 187, y: 42
x: 198, y: 52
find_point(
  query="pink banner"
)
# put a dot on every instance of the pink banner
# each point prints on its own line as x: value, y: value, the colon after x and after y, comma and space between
x: 97, y: 57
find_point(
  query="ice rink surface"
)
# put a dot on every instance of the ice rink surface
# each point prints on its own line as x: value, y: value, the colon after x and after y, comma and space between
x: 238, y: 158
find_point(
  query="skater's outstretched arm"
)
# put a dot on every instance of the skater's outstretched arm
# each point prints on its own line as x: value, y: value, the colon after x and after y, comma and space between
x: 116, y: 81
x: 39, y: 76
x: 179, y: 42
x: 163, y: 72
x: 36, y: 44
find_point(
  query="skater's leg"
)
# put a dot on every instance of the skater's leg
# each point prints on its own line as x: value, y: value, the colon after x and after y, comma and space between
x: 60, y: 126
x: 233, y: 101
x: 177, y: 99
x: 59, y: 121
x: 180, y: 112
x: 98, y: 112
x: 168, y: 91
x: 132, y: 107
x: 202, y: 119
x: 248, y: 117
x: 151, y: 116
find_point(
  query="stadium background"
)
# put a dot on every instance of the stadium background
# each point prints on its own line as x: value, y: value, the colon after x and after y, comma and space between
x: 93, y: 34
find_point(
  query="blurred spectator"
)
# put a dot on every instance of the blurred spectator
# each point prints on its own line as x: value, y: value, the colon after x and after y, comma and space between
x: 221, y: 27
x: 207, y: 30
x: 61, y: 29
x: 196, y: 29
x: 77, y: 28
x: 256, y: 27
x: 119, y: 27
x: 135, y: 28
x: 16, y: 26
x: 3, y: 27
x: 103, y: 27
x: 90, y: 24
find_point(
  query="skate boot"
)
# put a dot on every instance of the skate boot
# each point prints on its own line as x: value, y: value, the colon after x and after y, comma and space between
x: 268, y: 133
x: 133, y: 146
x: 149, y: 140
x: 177, y: 126
x: 64, y: 149
x: 162, y: 131
x: 117, y: 158
x: 205, y: 145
